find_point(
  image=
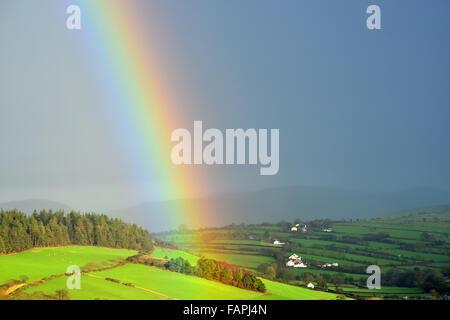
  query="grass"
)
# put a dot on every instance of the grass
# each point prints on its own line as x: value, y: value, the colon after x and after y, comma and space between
x: 163, y: 253
x: 40, y: 262
x: 149, y: 283
x: 281, y: 291
x: 176, y: 285
x: 95, y: 288
x: 243, y: 260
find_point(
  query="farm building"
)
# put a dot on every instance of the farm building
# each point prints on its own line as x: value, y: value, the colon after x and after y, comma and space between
x: 329, y: 265
x: 290, y: 263
x: 299, y: 264
x: 295, y: 261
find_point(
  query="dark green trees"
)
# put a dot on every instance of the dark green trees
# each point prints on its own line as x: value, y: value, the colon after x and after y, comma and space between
x: 19, y: 232
x: 228, y: 274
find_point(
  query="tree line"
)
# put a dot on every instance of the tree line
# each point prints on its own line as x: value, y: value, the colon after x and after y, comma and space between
x: 19, y: 231
x: 207, y: 268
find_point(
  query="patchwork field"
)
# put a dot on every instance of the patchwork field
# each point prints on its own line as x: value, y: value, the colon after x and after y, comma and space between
x: 164, y: 253
x: 410, y: 241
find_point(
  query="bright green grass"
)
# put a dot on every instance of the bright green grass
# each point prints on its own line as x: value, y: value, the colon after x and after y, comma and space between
x: 281, y: 291
x: 162, y: 253
x: 93, y: 288
x: 243, y: 260
x: 176, y: 285
x: 40, y: 262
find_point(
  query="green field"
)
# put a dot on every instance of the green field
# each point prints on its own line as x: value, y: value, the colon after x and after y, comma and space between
x: 148, y: 283
x: 239, y: 259
x: 153, y: 283
x: 40, y: 262
x: 162, y: 253
x: 176, y: 285
x: 281, y: 291
x: 94, y: 288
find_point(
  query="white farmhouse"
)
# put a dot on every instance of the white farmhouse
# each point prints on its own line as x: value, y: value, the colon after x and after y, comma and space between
x: 294, y: 229
x: 294, y: 257
x: 278, y: 242
x: 290, y: 263
x: 299, y: 264
x: 310, y: 285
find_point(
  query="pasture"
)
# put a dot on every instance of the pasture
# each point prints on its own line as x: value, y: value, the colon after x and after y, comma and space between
x: 40, y: 262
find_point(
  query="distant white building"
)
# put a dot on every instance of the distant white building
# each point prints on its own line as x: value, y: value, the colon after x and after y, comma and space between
x: 327, y: 230
x: 310, y: 285
x: 329, y: 265
x: 290, y: 263
x: 294, y: 229
x: 278, y: 242
x: 300, y: 265
x: 295, y: 261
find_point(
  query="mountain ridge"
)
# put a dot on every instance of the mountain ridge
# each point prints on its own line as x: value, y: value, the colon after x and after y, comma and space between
x: 283, y: 203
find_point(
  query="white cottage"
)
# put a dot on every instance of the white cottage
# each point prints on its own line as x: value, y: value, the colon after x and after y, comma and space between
x: 290, y: 263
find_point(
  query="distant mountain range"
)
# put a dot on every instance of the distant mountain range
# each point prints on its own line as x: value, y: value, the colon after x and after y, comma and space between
x: 28, y: 206
x: 286, y: 203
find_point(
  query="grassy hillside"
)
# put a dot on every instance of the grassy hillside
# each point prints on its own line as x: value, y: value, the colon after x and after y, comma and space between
x: 281, y: 291
x: 40, y: 262
x: 96, y: 288
x: 176, y: 285
x: 153, y: 283
x: 165, y: 253
x: 149, y: 283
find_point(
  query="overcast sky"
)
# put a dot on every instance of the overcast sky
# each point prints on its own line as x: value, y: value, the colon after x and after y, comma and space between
x: 359, y: 109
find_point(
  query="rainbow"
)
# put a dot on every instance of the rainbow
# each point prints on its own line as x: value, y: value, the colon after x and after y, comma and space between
x: 144, y: 108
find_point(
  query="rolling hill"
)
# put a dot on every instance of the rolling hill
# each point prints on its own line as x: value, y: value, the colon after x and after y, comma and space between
x: 288, y: 203
x: 28, y: 206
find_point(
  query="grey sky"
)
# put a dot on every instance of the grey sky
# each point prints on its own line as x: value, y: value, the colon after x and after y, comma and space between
x: 359, y: 109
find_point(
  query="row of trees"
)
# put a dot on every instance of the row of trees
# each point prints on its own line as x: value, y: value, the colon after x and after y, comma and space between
x: 426, y: 279
x: 19, y: 232
x: 228, y: 274
x: 219, y: 271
